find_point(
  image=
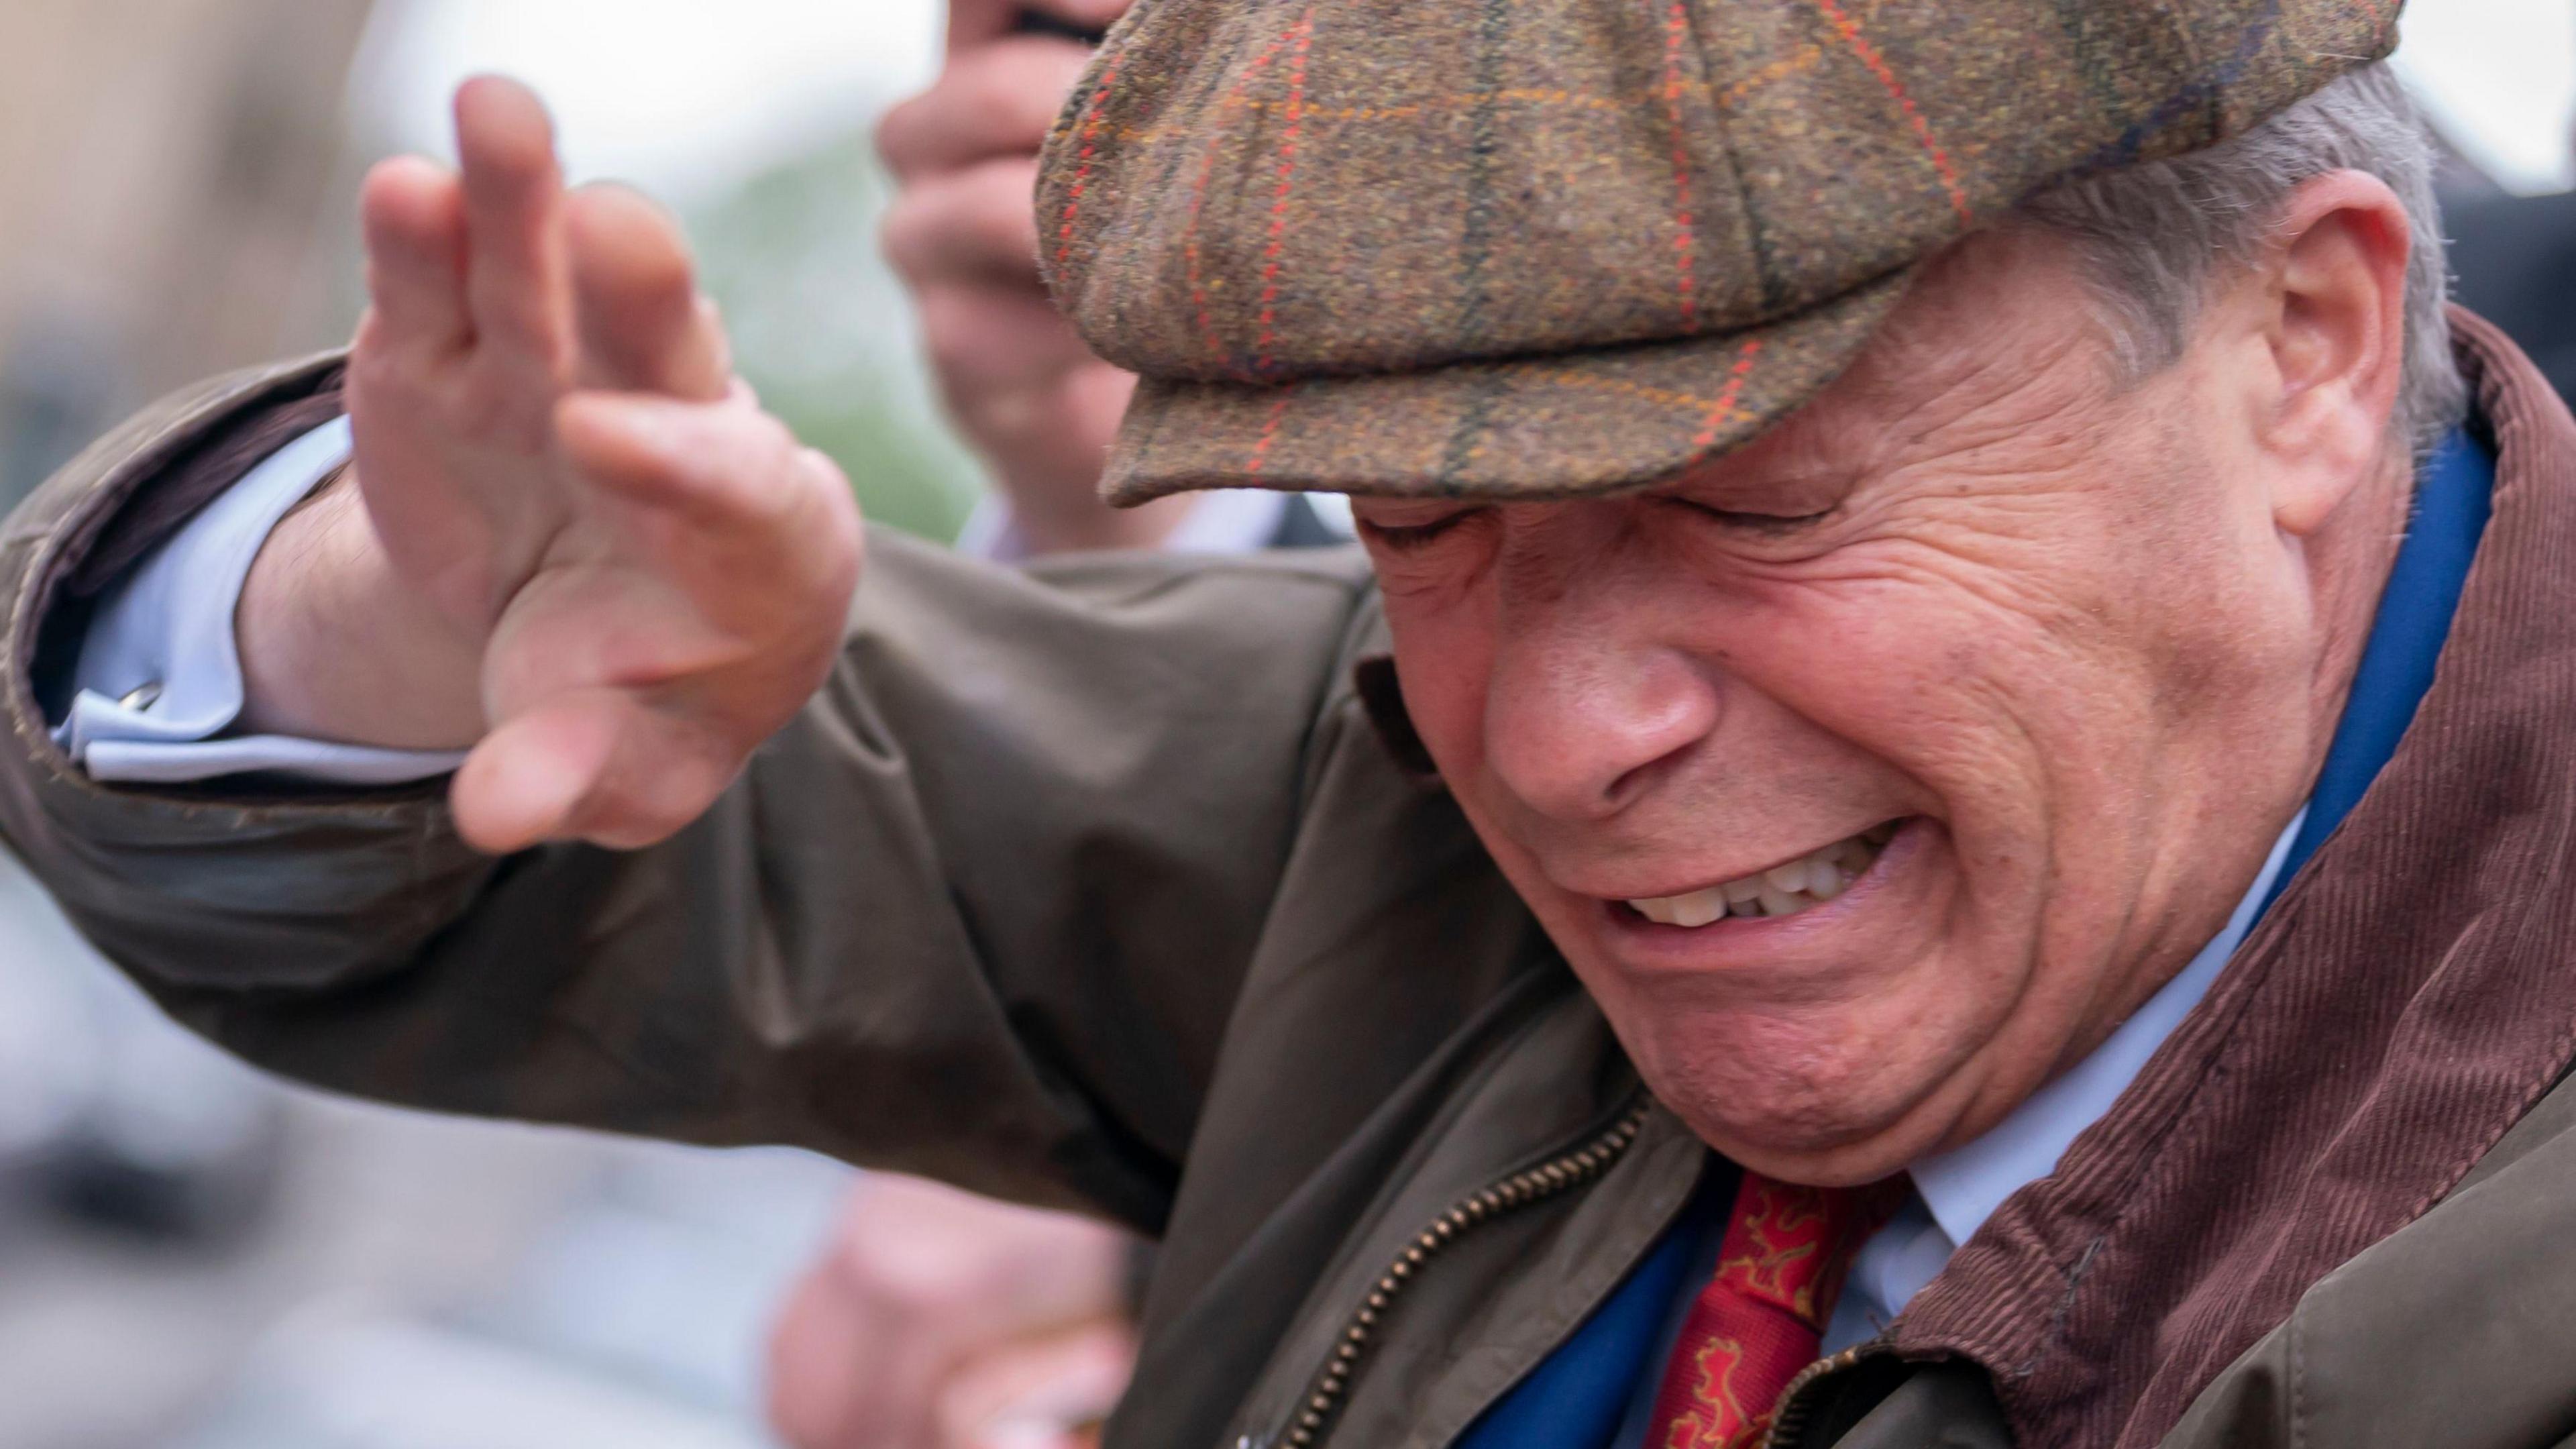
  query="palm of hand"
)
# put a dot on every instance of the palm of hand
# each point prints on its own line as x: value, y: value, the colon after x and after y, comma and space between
x: 553, y: 456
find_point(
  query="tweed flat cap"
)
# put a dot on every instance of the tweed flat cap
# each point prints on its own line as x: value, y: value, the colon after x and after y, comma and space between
x: 1542, y: 248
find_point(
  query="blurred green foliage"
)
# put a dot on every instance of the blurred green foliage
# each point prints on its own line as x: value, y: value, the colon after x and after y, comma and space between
x: 822, y: 328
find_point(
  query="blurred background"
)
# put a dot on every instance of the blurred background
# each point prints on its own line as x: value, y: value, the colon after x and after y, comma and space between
x: 196, y: 1257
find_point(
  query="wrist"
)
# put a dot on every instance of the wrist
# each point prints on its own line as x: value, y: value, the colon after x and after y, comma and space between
x: 335, y: 646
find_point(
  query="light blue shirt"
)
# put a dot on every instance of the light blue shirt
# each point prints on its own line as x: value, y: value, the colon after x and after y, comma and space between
x: 159, y: 682
x: 1956, y: 1191
x: 1220, y: 520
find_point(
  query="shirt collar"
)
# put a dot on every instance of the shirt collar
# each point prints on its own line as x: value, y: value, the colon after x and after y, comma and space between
x: 1222, y: 520
x: 1964, y: 1186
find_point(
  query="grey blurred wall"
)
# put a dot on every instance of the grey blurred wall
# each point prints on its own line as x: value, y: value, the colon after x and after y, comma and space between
x: 163, y: 168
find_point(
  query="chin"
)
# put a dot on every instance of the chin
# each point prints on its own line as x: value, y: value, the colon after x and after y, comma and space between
x: 1800, y: 1101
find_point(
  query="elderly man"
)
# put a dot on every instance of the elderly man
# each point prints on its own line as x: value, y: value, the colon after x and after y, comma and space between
x: 1939, y: 822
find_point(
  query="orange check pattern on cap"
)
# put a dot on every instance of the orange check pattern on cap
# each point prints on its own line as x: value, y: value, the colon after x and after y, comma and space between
x: 1762, y: 1315
x: 1522, y: 249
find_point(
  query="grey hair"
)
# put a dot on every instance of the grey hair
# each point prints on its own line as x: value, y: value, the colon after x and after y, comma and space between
x: 2155, y: 235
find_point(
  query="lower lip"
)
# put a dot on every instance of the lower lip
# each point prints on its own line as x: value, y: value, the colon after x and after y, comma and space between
x: 1741, y: 936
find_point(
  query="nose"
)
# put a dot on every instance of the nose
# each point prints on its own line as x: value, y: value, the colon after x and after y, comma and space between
x: 1589, y: 701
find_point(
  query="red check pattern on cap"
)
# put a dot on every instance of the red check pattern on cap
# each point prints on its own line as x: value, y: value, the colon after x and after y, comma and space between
x: 1526, y: 249
x: 1762, y: 1315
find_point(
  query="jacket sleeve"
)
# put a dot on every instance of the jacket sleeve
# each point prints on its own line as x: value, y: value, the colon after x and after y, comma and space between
x: 980, y: 911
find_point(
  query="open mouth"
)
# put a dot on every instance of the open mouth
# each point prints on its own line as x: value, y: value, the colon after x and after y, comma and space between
x: 1783, y: 890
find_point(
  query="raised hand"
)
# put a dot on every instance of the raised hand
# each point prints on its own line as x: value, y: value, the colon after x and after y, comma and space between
x: 1030, y: 397
x: 575, y: 543
x: 937, y: 1320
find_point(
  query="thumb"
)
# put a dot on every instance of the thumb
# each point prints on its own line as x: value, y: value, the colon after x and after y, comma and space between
x: 523, y: 784
x: 620, y: 768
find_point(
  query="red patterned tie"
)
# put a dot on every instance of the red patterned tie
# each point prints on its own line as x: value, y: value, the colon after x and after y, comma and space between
x: 1758, y: 1321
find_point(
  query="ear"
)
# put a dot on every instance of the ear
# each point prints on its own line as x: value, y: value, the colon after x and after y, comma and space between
x: 2332, y: 308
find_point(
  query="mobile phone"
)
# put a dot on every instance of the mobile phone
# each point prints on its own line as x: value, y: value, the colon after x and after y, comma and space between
x: 1039, y: 22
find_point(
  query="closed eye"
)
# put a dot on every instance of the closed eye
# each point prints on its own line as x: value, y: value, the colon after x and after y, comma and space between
x: 1767, y: 525
x: 1404, y: 538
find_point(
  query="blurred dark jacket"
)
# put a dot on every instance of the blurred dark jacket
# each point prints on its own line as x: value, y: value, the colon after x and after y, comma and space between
x: 2513, y: 260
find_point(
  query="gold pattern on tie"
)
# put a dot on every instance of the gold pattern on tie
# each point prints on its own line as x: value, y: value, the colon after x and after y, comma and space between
x: 1763, y: 1313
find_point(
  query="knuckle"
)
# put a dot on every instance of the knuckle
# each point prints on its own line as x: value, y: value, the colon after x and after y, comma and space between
x: 371, y: 351
x: 1003, y: 212
x: 953, y: 351
x: 820, y: 470
x: 385, y: 366
x: 519, y: 315
x: 998, y: 200
x: 899, y: 1298
x: 904, y: 235
x: 980, y: 221
x: 771, y: 440
x: 1017, y: 104
x: 841, y: 537
x: 977, y: 223
x: 902, y: 134
x: 956, y: 354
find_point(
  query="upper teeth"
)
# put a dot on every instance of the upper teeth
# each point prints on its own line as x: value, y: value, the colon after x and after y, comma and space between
x: 1783, y: 890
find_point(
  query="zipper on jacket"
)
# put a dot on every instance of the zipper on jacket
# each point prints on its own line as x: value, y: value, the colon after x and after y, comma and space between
x: 1790, y: 1411
x: 1556, y: 1175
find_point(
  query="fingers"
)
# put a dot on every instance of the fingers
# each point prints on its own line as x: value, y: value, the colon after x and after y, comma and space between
x: 632, y: 688
x: 632, y: 677
x: 826, y: 1356
x: 1042, y: 1393
x: 413, y: 214
x: 998, y: 100
x: 1038, y: 405
x: 994, y: 342
x: 515, y: 268
x: 975, y: 22
x: 643, y: 327
x: 719, y: 468
x: 973, y: 225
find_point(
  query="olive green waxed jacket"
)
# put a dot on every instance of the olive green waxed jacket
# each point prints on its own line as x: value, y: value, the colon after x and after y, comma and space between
x: 1110, y: 885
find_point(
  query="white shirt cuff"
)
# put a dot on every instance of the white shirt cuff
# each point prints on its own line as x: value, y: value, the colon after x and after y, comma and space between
x: 159, y: 679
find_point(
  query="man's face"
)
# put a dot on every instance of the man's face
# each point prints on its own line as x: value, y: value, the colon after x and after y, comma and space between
x: 1973, y: 696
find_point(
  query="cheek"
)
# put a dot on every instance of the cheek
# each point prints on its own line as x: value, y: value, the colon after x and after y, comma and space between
x: 1993, y: 682
x: 1901, y: 662
x: 1444, y: 652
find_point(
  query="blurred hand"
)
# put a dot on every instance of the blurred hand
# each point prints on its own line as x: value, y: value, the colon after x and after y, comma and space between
x: 574, y: 542
x: 1029, y: 396
x: 940, y: 1320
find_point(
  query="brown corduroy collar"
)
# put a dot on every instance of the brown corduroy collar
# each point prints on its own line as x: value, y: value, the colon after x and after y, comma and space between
x: 2401, y: 1006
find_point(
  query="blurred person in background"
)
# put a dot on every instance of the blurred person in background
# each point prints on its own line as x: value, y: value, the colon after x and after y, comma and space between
x: 938, y: 1319
x: 2513, y: 255
x: 2165, y: 1054
x: 2516, y: 260
x: 1038, y: 406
